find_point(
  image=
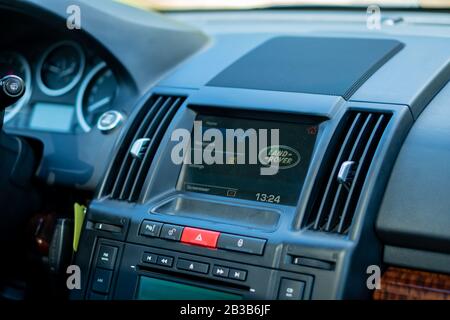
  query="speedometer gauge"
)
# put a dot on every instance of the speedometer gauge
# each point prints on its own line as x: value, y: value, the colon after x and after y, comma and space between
x: 96, y: 95
x: 12, y: 63
x: 60, y: 68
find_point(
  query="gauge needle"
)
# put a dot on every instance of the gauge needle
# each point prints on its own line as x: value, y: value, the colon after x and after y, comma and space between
x: 67, y: 71
x: 54, y: 69
x: 99, y: 104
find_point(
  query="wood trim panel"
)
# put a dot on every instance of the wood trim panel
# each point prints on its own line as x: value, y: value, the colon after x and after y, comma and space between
x: 408, y: 284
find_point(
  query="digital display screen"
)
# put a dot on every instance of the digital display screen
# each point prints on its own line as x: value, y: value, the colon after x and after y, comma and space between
x: 257, y: 160
x: 158, y: 289
x: 52, y: 117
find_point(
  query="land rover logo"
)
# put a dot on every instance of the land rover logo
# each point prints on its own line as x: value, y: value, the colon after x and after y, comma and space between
x: 283, y: 156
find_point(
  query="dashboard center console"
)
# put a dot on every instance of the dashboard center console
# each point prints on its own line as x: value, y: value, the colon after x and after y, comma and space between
x: 224, y: 230
x: 237, y: 203
x: 240, y: 192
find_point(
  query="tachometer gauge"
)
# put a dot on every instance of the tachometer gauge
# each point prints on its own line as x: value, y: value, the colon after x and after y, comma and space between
x: 60, y: 68
x: 12, y: 63
x: 96, y: 95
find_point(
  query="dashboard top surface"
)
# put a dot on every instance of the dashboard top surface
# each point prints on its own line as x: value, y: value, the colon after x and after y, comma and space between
x: 396, y: 82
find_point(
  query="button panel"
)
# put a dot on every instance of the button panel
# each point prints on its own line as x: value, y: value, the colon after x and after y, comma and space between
x: 193, y: 266
x: 202, y: 237
x: 236, y: 274
x: 153, y: 258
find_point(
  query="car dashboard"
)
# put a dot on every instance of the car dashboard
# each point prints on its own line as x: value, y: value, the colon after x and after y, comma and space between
x: 362, y: 153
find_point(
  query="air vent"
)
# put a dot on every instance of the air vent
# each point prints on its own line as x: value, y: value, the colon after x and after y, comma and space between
x: 347, y: 162
x: 127, y: 175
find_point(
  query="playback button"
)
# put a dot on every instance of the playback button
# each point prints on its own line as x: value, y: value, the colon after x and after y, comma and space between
x: 165, y: 261
x: 192, y: 266
x: 220, y: 271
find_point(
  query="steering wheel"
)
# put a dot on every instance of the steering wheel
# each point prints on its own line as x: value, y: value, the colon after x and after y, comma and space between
x: 17, y: 167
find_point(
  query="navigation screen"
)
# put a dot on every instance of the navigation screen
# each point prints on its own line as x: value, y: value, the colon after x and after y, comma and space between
x: 257, y: 160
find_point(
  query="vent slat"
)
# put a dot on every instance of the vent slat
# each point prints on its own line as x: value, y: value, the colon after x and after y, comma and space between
x: 157, y: 135
x: 127, y: 163
x: 351, y: 133
x: 146, y: 132
x: 359, y: 143
x: 332, y: 206
x: 130, y: 176
x: 126, y: 176
x: 361, y: 172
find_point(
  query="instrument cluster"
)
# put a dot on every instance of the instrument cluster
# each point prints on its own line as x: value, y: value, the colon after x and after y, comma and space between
x: 68, y: 89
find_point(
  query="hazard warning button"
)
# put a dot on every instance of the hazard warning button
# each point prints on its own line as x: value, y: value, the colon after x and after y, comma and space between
x: 200, y: 237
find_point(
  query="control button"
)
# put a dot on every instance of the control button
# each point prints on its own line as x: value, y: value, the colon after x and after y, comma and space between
x: 150, y: 228
x: 107, y: 227
x: 242, y: 244
x: 200, y: 237
x: 171, y: 232
x: 149, y: 258
x: 165, y: 261
x: 109, y: 120
x: 220, y: 271
x: 192, y: 266
x: 237, y: 274
x: 106, y: 257
x: 291, y: 289
x: 102, y: 280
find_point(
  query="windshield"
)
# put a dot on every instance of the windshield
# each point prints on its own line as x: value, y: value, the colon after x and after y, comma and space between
x: 249, y: 4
